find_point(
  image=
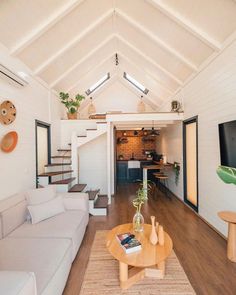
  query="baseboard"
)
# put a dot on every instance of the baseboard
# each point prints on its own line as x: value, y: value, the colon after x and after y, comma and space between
x: 202, y: 218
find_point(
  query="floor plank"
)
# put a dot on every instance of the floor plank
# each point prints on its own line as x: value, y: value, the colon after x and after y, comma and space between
x: 201, y: 251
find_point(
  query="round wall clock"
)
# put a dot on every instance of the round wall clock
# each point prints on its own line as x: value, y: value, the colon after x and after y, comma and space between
x: 9, y: 142
x: 7, y: 112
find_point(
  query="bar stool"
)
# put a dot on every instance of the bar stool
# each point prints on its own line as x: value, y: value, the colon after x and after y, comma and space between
x: 163, y: 179
x: 152, y: 192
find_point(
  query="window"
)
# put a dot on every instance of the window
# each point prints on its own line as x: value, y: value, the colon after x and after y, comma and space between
x: 135, y: 83
x: 98, y: 84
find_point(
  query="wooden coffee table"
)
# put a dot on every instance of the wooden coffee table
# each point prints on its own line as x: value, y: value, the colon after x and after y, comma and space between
x: 149, y: 262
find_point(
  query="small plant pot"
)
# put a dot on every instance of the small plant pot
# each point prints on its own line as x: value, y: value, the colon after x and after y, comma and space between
x: 71, y: 116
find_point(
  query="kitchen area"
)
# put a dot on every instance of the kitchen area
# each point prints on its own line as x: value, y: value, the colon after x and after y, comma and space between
x: 135, y: 149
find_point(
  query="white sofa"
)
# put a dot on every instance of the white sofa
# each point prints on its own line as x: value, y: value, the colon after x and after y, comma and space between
x: 35, y: 259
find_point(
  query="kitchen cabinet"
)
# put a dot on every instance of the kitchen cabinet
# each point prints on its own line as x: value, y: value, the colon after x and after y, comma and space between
x: 122, y: 171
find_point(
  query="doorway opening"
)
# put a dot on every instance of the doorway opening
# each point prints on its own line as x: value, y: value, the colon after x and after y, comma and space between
x: 190, y: 145
x: 43, y: 147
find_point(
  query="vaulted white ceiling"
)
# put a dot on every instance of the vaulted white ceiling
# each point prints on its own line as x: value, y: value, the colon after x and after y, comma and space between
x: 161, y: 43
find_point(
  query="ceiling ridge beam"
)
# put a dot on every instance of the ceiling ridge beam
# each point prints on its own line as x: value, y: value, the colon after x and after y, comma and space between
x: 187, y: 25
x: 151, y: 60
x: 90, y: 70
x: 78, y: 38
x: 157, y: 40
x: 139, y: 69
x: 45, y: 26
x: 67, y: 72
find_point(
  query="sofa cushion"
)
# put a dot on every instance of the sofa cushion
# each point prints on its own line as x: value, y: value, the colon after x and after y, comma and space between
x: 46, y: 210
x: 41, y: 195
x: 17, y: 283
x: 70, y: 224
x: 12, y: 213
x: 48, y: 259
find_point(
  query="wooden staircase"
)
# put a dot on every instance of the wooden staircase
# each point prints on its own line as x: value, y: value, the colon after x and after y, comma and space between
x: 98, y: 204
x: 59, y: 173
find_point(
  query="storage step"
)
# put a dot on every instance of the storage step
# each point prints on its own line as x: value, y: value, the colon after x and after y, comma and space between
x: 91, y: 129
x: 82, y: 136
x: 61, y: 157
x: 64, y: 150
x: 58, y: 164
x: 77, y: 188
x: 92, y: 194
x: 48, y: 174
x: 102, y: 202
x: 64, y: 181
x: 101, y: 122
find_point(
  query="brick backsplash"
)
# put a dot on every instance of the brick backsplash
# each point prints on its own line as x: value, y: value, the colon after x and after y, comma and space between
x: 134, y: 145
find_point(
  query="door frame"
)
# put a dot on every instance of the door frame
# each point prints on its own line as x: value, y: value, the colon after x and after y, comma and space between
x: 185, y: 123
x: 42, y: 124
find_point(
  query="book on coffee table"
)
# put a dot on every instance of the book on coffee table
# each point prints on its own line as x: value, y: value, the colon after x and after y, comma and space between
x: 133, y: 246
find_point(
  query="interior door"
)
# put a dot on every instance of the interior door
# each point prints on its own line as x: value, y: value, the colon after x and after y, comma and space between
x: 43, y: 150
x: 190, y: 133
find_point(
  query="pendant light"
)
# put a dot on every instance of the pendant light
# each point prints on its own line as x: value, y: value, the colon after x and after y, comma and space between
x: 153, y: 131
x: 91, y: 108
x: 141, y: 105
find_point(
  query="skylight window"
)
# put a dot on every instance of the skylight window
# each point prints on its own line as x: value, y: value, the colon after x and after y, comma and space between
x: 98, y: 84
x: 135, y: 83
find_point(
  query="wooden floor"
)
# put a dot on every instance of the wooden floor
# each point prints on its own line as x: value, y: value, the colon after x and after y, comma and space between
x: 201, y: 251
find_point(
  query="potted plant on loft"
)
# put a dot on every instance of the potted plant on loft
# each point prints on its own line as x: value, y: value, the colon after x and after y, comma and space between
x: 72, y: 104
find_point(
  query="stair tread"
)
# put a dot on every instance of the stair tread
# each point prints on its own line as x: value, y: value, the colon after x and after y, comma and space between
x: 92, y: 194
x: 101, y: 122
x: 102, y: 202
x: 81, y: 135
x: 91, y: 129
x: 64, y: 150
x: 77, y: 188
x: 58, y: 164
x: 58, y: 157
x: 64, y: 181
x: 46, y: 174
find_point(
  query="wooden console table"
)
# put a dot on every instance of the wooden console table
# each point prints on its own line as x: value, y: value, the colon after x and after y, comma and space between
x: 230, y: 217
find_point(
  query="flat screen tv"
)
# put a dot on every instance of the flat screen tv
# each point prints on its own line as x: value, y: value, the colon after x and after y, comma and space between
x: 227, y: 133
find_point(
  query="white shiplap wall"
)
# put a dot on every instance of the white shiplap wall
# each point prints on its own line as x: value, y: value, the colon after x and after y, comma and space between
x: 212, y: 96
x: 17, y: 169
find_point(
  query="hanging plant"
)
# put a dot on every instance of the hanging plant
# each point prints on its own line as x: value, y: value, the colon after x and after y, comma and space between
x: 176, y: 168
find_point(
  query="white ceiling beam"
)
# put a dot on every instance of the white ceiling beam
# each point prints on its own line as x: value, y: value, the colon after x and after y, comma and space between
x: 186, y: 24
x: 167, y: 116
x: 146, y: 123
x: 62, y: 76
x: 176, y: 79
x: 77, y: 38
x: 43, y: 27
x: 157, y: 40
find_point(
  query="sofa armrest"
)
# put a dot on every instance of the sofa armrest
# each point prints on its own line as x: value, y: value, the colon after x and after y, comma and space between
x: 18, y: 283
x: 75, y: 201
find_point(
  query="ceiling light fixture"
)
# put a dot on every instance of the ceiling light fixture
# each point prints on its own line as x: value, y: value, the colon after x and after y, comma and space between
x: 117, y: 59
x: 153, y: 131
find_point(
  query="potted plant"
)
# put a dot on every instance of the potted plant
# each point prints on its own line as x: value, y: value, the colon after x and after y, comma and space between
x: 141, y: 198
x: 72, y: 104
x: 176, y: 168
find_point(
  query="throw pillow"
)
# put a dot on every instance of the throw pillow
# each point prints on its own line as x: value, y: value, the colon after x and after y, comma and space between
x: 41, y: 195
x: 46, y: 210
